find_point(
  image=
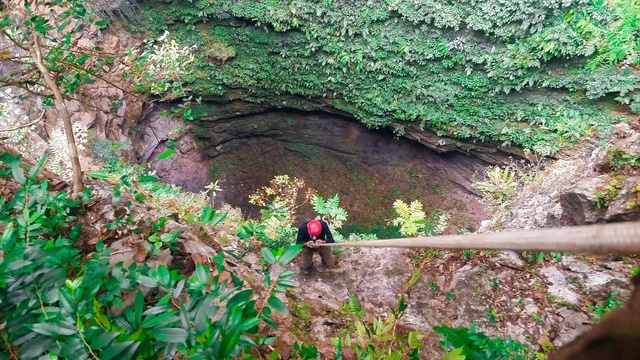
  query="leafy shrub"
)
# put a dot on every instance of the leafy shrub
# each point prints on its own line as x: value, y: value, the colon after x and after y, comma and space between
x: 611, y: 302
x: 413, y: 220
x: 57, y: 302
x: 499, y: 184
x: 473, y: 345
x: 608, y: 194
x: 330, y: 210
x: 618, y: 158
x: 380, y: 339
x: 108, y: 151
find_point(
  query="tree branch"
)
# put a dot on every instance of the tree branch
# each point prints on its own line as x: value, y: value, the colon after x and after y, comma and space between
x: 35, y: 51
x: 25, y: 125
x: 14, y: 41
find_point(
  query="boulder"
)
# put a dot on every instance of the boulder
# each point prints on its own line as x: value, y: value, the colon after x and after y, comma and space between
x: 578, y: 203
x: 626, y: 206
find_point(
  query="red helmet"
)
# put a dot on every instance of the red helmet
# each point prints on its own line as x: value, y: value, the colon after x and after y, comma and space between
x: 314, y: 227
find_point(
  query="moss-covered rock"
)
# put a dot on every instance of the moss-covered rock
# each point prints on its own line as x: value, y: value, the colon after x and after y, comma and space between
x: 522, y: 73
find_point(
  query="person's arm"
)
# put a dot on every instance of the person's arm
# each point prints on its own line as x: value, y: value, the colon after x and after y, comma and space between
x: 327, y: 232
x: 301, y: 231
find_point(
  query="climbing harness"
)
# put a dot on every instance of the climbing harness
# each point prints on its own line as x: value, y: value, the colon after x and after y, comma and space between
x: 618, y: 238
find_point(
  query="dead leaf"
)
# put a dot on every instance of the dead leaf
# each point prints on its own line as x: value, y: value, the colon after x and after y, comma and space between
x: 225, y: 275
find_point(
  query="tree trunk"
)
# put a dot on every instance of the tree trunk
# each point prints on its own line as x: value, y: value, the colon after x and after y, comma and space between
x: 36, y: 54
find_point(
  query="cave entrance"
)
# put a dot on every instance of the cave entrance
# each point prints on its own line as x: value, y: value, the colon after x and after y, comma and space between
x: 369, y: 169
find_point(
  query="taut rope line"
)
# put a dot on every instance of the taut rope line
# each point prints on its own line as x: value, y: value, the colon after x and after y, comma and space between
x: 619, y: 238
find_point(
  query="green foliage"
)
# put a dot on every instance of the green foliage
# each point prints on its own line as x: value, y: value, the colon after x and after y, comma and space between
x: 467, y: 253
x: 108, y: 151
x: 539, y: 257
x: 492, y: 314
x: 605, y: 196
x: 305, y: 352
x: 450, y: 295
x: 380, y: 340
x: 463, y: 69
x: 619, y: 158
x: 472, y: 345
x: 499, y: 184
x: 353, y: 306
x: 411, y: 218
x: 413, y: 221
x: 611, y: 302
x: 330, y: 210
x: 57, y: 302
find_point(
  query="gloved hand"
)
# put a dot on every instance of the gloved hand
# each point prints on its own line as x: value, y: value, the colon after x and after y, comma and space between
x: 310, y: 244
x: 318, y: 242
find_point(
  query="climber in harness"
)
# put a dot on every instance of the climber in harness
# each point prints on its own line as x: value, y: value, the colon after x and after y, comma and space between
x: 313, y: 233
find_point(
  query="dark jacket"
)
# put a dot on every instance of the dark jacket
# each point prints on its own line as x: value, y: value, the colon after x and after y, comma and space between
x: 303, y: 233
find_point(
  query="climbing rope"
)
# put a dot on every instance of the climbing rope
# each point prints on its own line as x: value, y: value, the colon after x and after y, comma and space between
x: 619, y: 238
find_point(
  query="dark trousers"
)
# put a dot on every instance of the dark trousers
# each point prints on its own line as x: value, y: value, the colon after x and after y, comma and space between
x: 325, y: 254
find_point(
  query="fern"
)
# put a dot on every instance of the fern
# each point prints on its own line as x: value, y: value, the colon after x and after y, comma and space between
x: 411, y: 218
x: 330, y: 210
x: 354, y: 305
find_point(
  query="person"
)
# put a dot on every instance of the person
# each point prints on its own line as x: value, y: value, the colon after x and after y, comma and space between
x: 312, y: 233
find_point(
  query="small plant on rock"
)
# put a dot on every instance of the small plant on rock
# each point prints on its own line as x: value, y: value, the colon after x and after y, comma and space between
x: 499, y: 184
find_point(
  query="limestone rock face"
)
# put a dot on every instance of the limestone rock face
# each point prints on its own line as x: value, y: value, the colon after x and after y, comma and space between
x: 499, y: 299
x: 626, y: 206
x: 578, y: 203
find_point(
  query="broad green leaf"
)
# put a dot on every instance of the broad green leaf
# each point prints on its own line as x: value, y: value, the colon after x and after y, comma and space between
x: 202, y: 274
x: 33, y: 172
x: 178, y: 289
x: 66, y: 301
x: 289, y: 254
x: 53, y: 329
x: 174, y: 335
x: 146, y: 281
x: 18, y: 173
x: 129, y: 352
x: 184, y: 316
x: 248, y: 324
x: 240, y: 298
x: 288, y: 274
x: 16, y: 264
x: 35, y: 347
x: 455, y: 354
x: 103, y: 339
x: 99, y: 175
x: 277, y: 305
x: 163, y: 276
x: 6, y: 20
x: 115, y: 349
x: 138, y: 308
x: 267, y: 255
x: 275, y: 354
x: 168, y: 319
x: 207, y: 214
x: 147, y: 179
x: 287, y: 284
x: 166, y: 154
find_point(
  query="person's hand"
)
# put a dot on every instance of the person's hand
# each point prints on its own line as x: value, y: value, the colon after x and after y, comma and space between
x: 318, y: 242
x: 310, y: 244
